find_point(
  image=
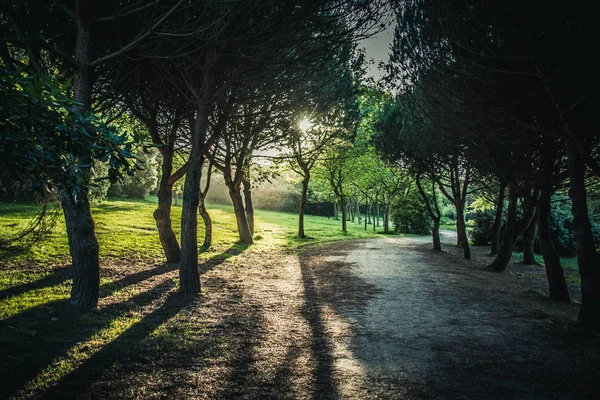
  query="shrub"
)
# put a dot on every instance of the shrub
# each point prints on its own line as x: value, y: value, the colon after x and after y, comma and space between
x: 481, y: 234
x: 409, y: 215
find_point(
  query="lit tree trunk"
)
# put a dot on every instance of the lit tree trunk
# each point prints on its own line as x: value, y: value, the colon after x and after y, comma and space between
x: 557, y: 285
x: 207, y: 223
x: 162, y: 214
x: 240, y: 214
x: 248, y: 202
x: 336, y: 210
x: 433, y: 211
x: 369, y: 205
x: 497, y: 225
x: 587, y: 259
x: 303, y: 200
x: 386, y: 217
x: 83, y: 245
x: 529, y: 242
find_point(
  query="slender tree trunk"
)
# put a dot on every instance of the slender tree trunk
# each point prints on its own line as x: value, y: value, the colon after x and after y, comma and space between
x: 351, y: 211
x: 377, y: 213
x: 83, y: 245
x: 207, y: 223
x: 386, y: 218
x: 240, y: 214
x: 587, y: 259
x: 358, y: 211
x: 248, y: 204
x: 461, y: 230
x: 335, y: 210
x: 84, y: 250
x: 435, y: 233
x: 369, y: 205
x: 497, y: 225
x: 343, y: 207
x: 529, y: 242
x: 162, y: 214
x: 556, y: 278
x: 507, y: 242
x: 303, y: 200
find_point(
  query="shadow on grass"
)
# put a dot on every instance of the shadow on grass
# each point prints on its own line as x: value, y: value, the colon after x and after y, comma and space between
x: 58, y: 276
x: 38, y: 336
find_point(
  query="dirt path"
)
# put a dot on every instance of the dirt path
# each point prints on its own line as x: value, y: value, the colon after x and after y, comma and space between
x: 420, y: 324
x: 383, y: 318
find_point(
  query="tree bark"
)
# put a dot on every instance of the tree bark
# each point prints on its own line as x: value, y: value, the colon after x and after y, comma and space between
x: 240, y: 214
x: 513, y: 230
x: 248, y: 204
x: 343, y: 207
x: 162, y: 214
x: 461, y: 231
x: 507, y: 241
x: 557, y: 285
x: 587, y: 259
x: 83, y: 244
x: 84, y: 250
x: 433, y: 212
x: 207, y: 223
x: 497, y: 225
x: 386, y: 217
x: 529, y: 242
x: 336, y: 210
x: 303, y: 200
x: 435, y: 233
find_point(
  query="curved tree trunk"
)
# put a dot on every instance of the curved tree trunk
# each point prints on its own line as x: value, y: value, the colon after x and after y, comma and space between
x: 587, y: 259
x: 207, y: 223
x: 529, y: 242
x: 556, y: 278
x: 497, y: 225
x: 162, y: 214
x: 240, y: 215
x: 303, y: 200
x: 249, y: 207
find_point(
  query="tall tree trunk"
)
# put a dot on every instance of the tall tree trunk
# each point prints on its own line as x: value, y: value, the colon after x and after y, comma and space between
x: 83, y: 245
x: 461, y: 230
x: 240, y: 214
x: 343, y: 207
x: 529, y: 242
x: 497, y: 225
x: 207, y: 223
x: 386, y: 218
x: 507, y: 241
x: 435, y: 233
x: 556, y: 278
x: 336, y: 210
x: 358, y: 211
x: 587, y: 259
x: 303, y: 200
x: 377, y: 213
x: 162, y: 214
x: 351, y: 210
x: 248, y: 204
x: 369, y: 206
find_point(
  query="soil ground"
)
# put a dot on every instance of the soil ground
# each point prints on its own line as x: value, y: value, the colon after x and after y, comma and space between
x: 365, y: 319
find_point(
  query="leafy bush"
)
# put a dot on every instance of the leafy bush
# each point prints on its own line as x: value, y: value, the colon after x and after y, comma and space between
x: 140, y: 185
x: 481, y: 234
x: 409, y: 215
x: 561, y: 227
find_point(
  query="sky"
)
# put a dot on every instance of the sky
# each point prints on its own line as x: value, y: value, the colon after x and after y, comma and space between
x: 377, y: 48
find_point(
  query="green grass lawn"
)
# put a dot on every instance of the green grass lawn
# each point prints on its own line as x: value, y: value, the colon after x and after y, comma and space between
x: 127, y: 229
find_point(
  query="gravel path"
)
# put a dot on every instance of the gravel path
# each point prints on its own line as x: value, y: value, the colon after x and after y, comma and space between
x: 425, y: 324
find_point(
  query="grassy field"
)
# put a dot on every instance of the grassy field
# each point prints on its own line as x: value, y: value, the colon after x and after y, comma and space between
x: 43, y: 341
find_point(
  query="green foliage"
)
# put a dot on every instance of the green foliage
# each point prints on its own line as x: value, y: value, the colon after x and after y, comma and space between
x: 45, y: 144
x: 409, y: 215
x: 561, y: 227
x: 481, y: 234
x: 144, y: 181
